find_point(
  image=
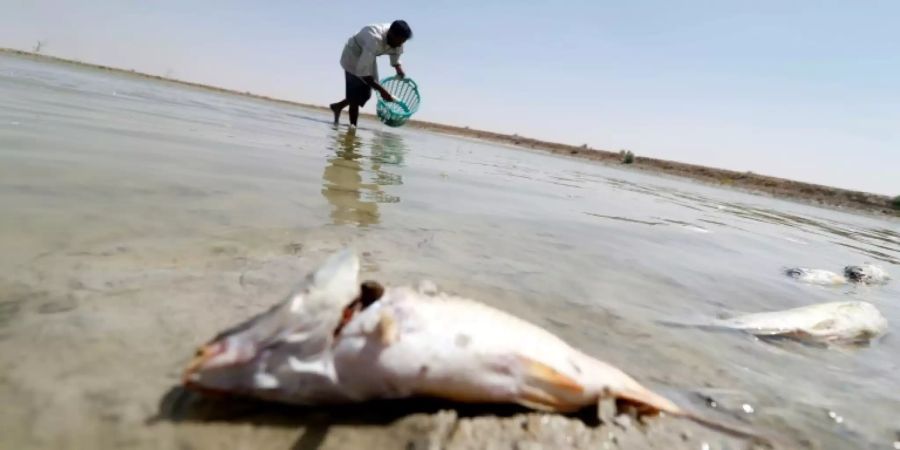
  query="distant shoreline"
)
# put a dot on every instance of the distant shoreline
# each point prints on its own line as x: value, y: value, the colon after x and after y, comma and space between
x: 746, y: 181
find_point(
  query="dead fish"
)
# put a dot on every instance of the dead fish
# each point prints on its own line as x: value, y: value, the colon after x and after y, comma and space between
x: 866, y: 273
x: 410, y: 343
x: 816, y: 276
x: 850, y: 322
x: 417, y: 342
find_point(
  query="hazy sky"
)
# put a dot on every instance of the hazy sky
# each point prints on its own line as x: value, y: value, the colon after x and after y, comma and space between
x: 803, y: 89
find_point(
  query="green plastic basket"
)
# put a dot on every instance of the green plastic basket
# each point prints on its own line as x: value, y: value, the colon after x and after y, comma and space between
x: 406, y: 96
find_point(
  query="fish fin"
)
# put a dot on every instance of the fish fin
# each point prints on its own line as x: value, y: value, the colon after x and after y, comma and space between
x: 538, y: 399
x: 538, y: 371
x: 647, y: 401
x: 387, y: 329
x: 340, y: 268
x: 335, y: 281
x: 546, y: 389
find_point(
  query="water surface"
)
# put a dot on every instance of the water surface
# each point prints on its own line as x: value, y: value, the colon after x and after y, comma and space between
x: 141, y: 217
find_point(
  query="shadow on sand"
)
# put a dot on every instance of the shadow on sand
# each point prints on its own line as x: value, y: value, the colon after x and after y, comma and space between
x: 182, y: 405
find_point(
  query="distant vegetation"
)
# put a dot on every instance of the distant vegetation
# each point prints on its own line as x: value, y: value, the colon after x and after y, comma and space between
x: 896, y: 202
x: 627, y: 156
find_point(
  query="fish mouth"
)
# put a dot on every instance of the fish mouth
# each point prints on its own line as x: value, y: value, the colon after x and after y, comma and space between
x: 204, y: 355
x: 218, y: 369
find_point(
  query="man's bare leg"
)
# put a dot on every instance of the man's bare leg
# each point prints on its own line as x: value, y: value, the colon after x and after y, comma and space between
x: 354, y: 114
x: 336, y: 108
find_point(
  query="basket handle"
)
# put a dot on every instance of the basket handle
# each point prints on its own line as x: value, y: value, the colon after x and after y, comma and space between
x: 407, y: 80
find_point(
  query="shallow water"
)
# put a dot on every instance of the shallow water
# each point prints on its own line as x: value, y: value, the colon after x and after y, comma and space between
x: 139, y: 218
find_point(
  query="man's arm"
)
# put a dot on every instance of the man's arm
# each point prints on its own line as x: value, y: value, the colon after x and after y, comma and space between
x: 400, y: 72
x: 395, y: 62
x: 381, y: 90
x: 366, y: 67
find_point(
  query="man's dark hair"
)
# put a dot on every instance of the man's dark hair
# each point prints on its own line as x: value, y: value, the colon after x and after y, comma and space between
x: 401, y: 29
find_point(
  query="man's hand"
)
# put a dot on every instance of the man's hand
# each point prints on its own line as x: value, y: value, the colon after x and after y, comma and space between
x: 400, y: 73
x: 386, y: 95
x: 381, y: 90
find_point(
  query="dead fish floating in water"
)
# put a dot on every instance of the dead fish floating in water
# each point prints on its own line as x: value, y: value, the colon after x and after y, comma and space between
x: 851, y: 322
x: 867, y: 273
x: 404, y: 342
x: 816, y: 276
x: 864, y: 274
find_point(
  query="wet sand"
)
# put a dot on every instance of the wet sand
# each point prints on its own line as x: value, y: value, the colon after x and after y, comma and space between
x: 748, y: 181
x: 94, y: 358
x: 142, y: 217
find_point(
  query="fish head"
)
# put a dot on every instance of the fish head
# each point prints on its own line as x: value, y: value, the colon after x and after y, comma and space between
x: 866, y: 273
x: 842, y: 323
x: 301, y: 326
x: 855, y: 273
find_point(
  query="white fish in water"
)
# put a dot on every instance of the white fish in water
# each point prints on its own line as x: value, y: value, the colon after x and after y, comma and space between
x: 864, y: 274
x: 850, y: 322
x: 408, y: 342
x: 816, y: 276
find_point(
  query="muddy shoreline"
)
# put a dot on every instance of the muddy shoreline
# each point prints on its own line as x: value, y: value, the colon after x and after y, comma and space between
x: 815, y: 194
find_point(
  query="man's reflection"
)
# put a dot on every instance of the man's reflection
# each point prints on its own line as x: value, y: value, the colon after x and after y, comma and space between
x: 352, y: 200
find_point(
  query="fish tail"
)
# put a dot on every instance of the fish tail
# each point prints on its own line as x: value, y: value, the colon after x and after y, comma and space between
x: 649, y: 402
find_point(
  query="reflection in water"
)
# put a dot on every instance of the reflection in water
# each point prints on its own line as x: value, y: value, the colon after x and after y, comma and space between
x: 352, y: 199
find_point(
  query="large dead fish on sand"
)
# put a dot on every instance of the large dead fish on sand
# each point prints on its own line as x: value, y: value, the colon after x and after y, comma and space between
x: 833, y: 323
x: 401, y: 342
